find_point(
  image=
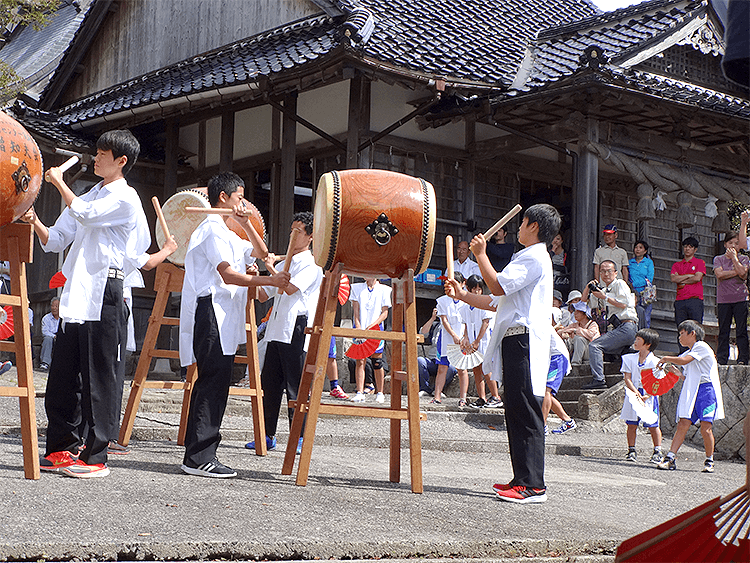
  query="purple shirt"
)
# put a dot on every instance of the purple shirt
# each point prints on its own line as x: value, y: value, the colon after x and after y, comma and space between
x: 732, y: 290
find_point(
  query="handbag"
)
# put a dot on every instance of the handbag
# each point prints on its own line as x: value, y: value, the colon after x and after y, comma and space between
x: 648, y: 295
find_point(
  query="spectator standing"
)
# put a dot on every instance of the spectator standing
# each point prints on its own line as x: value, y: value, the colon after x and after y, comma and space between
x: 621, y: 317
x: 560, y: 274
x: 688, y: 275
x: 610, y: 251
x: 463, y: 264
x: 50, y: 322
x: 730, y: 270
x: 499, y: 250
x: 641, y: 269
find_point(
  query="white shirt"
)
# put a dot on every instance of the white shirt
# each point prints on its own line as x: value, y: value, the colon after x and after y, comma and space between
x: 468, y: 268
x: 49, y: 325
x: 631, y: 365
x: 371, y: 301
x: 620, y: 292
x: 105, y: 227
x: 702, y: 367
x: 527, y: 283
x: 473, y: 318
x: 452, y: 310
x: 306, y: 277
x: 211, y: 244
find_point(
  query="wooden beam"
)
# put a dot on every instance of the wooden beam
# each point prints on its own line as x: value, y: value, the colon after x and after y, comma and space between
x: 226, y: 155
x: 355, y: 122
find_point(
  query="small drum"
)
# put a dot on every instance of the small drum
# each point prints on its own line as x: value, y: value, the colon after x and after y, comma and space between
x: 182, y: 224
x: 375, y: 222
x: 20, y: 170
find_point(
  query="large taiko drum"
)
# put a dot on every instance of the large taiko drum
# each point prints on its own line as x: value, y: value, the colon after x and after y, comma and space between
x: 182, y: 223
x: 374, y: 222
x: 20, y: 170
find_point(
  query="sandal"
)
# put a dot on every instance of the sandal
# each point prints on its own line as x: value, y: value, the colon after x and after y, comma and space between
x: 436, y: 402
x: 369, y: 389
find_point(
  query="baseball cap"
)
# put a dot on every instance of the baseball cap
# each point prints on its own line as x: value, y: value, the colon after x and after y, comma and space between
x: 611, y: 228
x: 575, y: 294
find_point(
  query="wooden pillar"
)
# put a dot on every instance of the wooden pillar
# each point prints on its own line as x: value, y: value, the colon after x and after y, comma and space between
x: 274, y: 232
x: 226, y: 155
x: 288, y: 173
x: 469, y: 178
x: 585, y: 209
x: 359, y: 120
x: 170, y: 158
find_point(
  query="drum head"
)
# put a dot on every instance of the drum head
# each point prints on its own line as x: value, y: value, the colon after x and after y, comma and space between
x: 324, y: 237
x: 181, y: 224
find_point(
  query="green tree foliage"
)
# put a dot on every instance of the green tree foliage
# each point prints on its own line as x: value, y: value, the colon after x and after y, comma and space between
x: 34, y: 13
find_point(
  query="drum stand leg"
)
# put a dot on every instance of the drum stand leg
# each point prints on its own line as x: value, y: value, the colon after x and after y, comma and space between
x: 16, y: 244
x: 308, y: 404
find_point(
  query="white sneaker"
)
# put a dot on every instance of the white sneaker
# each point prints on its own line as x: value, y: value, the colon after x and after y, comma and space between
x: 423, y: 393
x: 358, y: 398
x: 380, y: 398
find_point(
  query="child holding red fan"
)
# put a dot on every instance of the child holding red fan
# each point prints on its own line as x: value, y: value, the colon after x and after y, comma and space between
x: 700, y: 398
x: 646, y: 341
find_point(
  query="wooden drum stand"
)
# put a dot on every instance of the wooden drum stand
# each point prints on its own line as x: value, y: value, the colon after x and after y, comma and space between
x: 17, y: 246
x: 169, y: 278
x: 314, y: 374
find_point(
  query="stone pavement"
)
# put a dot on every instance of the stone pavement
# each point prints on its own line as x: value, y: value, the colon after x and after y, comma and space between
x: 147, y: 509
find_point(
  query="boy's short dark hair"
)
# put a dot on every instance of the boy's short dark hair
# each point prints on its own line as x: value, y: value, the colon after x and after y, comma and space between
x: 547, y: 218
x: 459, y: 277
x: 306, y: 218
x: 650, y: 337
x: 690, y: 241
x: 122, y: 143
x: 692, y: 327
x: 474, y: 281
x: 226, y: 182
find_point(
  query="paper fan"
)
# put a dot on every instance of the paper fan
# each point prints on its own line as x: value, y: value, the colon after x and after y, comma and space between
x: 58, y: 280
x: 364, y: 349
x: 714, y: 531
x: 658, y: 381
x: 459, y: 360
x: 345, y: 288
x: 644, y: 412
x: 6, y: 322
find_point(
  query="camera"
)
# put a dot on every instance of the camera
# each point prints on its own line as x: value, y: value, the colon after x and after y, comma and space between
x: 593, y: 286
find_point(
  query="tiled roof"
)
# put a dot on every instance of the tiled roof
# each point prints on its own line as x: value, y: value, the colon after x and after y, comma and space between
x: 468, y: 40
x: 557, y: 52
x: 47, y: 125
x: 34, y: 54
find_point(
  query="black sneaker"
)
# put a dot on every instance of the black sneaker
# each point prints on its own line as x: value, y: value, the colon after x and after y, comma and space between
x: 708, y: 466
x: 213, y: 468
x: 669, y: 464
x: 478, y: 404
x: 595, y: 384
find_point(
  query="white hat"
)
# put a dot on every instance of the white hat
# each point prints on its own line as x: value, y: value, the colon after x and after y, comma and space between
x: 575, y: 294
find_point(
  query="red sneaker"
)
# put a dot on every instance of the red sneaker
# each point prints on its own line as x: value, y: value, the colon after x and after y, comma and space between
x: 57, y: 461
x: 338, y: 393
x: 522, y: 495
x: 83, y: 470
x: 501, y: 487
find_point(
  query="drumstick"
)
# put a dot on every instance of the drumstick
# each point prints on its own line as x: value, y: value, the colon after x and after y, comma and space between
x: 508, y: 216
x: 449, y: 257
x: 65, y: 166
x: 160, y: 215
x: 290, y: 248
x: 210, y: 210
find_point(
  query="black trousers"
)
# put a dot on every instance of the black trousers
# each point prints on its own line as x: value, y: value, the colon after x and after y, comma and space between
x: 282, y: 369
x: 725, y: 312
x: 208, y: 400
x: 120, y: 380
x: 82, y: 380
x: 685, y: 309
x: 523, y: 414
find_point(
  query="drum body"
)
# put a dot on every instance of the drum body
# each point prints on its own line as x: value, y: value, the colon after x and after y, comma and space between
x: 182, y: 223
x: 20, y: 170
x: 376, y: 223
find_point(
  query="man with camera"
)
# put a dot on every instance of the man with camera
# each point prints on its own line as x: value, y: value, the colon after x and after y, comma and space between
x: 621, y: 318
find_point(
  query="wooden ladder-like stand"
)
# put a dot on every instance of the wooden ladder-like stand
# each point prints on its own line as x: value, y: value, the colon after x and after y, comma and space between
x: 314, y: 374
x: 17, y: 246
x: 169, y: 279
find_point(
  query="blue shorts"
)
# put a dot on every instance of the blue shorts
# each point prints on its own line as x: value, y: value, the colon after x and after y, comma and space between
x: 443, y: 361
x: 655, y: 403
x: 557, y: 367
x: 705, y: 404
x: 332, y: 349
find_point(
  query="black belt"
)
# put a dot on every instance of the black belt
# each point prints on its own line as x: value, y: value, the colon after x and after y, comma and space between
x: 116, y: 273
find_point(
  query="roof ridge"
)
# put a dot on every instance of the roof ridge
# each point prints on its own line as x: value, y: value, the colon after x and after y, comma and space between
x: 615, y: 15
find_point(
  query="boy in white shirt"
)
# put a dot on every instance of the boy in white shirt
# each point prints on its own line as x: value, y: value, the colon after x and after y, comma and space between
x: 212, y: 318
x: 700, y: 398
x: 105, y: 229
x: 285, y: 330
x: 646, y: 340
x: 370, y: 303
x: 519, y: 350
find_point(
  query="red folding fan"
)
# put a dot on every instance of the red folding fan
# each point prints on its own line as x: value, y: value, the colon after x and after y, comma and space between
x: 6, y: 322
x: 658, y: 381
x: 365, y: 349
